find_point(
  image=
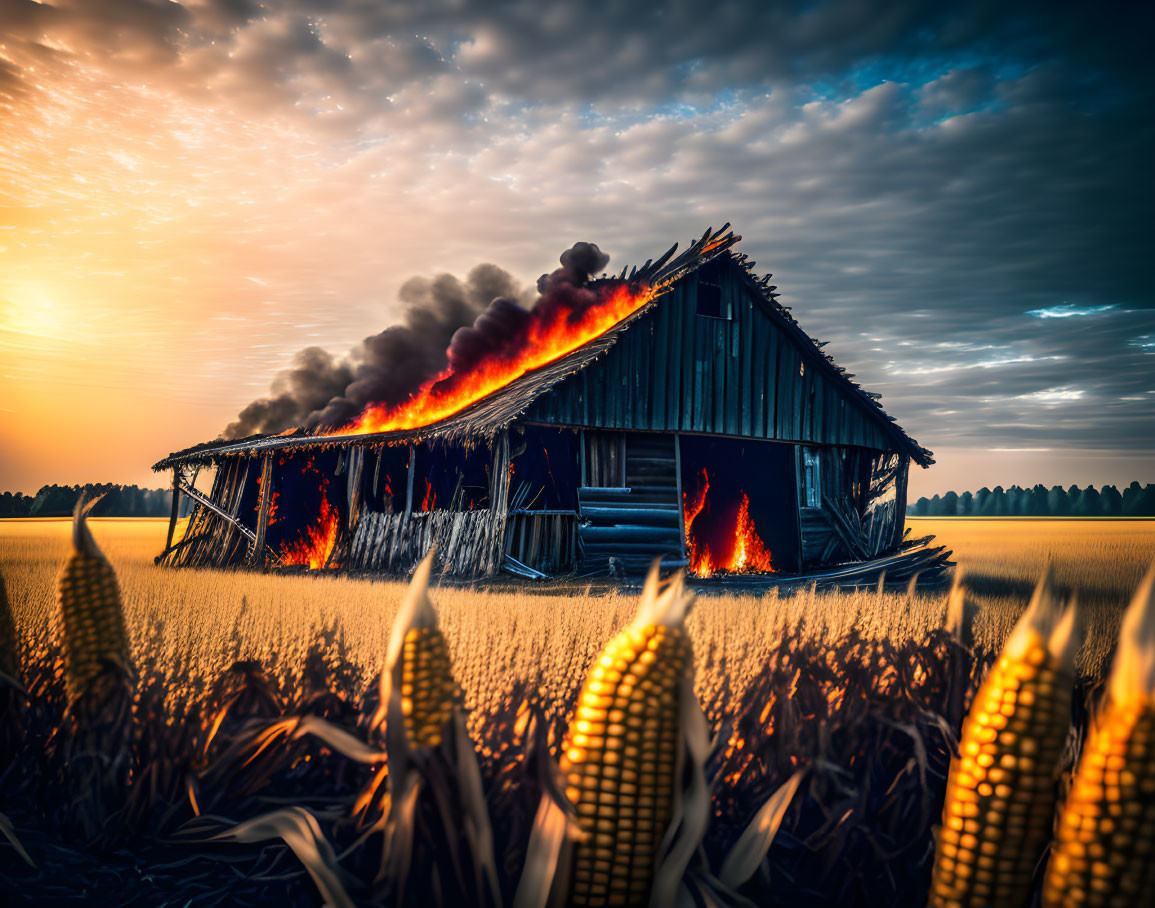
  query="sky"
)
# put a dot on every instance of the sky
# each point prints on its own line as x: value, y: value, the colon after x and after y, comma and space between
x: 957, y: 197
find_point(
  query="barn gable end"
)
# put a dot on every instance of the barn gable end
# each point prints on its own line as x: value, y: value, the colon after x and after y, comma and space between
x: 742, y: 374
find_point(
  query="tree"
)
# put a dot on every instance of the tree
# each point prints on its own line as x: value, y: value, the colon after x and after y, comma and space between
x: 1131, y: 498
x: 1134, y: 501
x: 1146, y: 503
x: 1038, y: 501
x: 1090, y: 504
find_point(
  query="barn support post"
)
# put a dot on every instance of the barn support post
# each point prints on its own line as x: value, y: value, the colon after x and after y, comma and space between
x: 354, y: 467
x: 174, y: 511
x: 353, y: 487
x: 681, y: 500
x: 900, y: 502
x: 498, y: 504
x: 409, y: 481
x: 257, y: 550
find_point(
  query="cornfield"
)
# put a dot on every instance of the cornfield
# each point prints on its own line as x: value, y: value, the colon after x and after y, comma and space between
x: 201, y: 737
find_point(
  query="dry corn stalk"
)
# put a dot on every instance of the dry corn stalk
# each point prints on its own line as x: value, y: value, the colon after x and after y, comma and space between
x: 418, y: 675
x: 99, y: 679
x: 12, y: 693
x: 8, y: 640
x: 632, y: 815
x: 431, y: 764
x: 91, y: 619
x: 996, y: 821
x: 1105, y: 854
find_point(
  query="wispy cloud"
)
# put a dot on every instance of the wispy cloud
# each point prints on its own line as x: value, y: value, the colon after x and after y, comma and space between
x: 1069, y: 310
x: 1053, y: 395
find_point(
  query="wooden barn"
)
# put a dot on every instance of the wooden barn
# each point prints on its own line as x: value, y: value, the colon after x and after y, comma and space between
x: 706, y: 428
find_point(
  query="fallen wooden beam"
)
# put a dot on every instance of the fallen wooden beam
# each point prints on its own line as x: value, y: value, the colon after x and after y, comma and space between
x: 177, y: 547
x: 208, y: 503
x: 518, y: 569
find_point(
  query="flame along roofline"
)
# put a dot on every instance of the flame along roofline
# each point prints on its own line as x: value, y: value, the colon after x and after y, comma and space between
x: 497, y: 410
x: 479, y: 420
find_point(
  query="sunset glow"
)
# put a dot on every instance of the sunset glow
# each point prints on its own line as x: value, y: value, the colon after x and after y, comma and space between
x: 193, y: 193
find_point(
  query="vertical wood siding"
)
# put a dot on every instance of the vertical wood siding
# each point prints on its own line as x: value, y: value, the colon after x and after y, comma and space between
x: 678, y: 371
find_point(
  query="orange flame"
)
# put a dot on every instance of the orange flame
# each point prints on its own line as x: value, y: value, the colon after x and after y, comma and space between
x: 742, y: 552
x: 750, y: 553
x: 449, y: 392
x: 315, y: 549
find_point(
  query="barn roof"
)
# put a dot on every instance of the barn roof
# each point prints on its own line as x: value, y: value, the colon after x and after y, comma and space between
x: 498, y: 410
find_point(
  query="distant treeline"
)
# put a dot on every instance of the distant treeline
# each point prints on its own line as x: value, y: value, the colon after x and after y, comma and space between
x: 1039, y: 501
x: 58, y: 501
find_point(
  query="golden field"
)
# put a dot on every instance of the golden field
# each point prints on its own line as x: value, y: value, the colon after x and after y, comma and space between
x: 854, y: 700
x: 193, y: 624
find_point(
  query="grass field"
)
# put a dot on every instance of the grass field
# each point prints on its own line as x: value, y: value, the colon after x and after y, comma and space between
x: 193, y: 624
x: 861, y: 690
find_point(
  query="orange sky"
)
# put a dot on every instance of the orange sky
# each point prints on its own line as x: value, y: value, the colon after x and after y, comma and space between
x: 191, y: 192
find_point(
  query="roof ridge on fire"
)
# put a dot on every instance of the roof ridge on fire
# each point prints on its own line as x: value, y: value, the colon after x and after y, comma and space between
x: 497, y: 410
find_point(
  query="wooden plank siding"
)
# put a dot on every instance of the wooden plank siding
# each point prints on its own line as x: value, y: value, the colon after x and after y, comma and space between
x: 740, y: 376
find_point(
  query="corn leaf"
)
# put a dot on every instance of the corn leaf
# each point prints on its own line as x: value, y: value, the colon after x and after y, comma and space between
x: 298, y: 829
x: 553, y: 829
x: 9, y: 833
x: 756, y: 839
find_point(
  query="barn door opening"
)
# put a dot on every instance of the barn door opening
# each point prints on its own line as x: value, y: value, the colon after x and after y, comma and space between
x: 740, y: 506
x: 632, y: 516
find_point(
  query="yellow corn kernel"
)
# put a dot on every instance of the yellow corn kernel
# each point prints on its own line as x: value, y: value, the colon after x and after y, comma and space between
x: 1004, y: 798
x: 90, y: 614
x: 1105, y: 851
x: 634, y: 761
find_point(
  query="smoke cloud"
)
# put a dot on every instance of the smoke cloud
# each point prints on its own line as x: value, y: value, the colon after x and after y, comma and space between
x: 314, y: 378
x: 447, y: 322
x: 501, y: 331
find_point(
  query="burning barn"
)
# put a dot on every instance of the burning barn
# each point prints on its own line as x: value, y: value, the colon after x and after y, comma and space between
x: 674, y: 411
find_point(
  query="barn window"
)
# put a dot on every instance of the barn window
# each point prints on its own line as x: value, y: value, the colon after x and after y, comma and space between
x: 710, y: 292
x: 811, y: 478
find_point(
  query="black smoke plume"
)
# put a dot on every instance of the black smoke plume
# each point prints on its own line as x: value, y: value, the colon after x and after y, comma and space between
x: 311, y: 382
x: 447, y: 322
x: 501, y: 331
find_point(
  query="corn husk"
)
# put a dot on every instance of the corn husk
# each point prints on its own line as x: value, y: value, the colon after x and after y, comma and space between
x: 1105, y: 852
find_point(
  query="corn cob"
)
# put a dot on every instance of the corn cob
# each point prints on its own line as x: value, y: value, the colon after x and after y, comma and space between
x: 97, y: 738
x: 95, y: 636
x: 621, y: 757
x: 1000, y: 794
x: 1105, y: 854
x: 419, y: 706
x: 417, y: 666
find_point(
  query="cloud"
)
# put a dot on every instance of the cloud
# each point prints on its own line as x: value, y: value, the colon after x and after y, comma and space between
x: 954, y: 196
x: 1068, y: 310
x: 1053, y: 395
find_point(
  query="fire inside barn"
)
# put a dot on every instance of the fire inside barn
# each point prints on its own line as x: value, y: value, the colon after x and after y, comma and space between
x: 679, y: 413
